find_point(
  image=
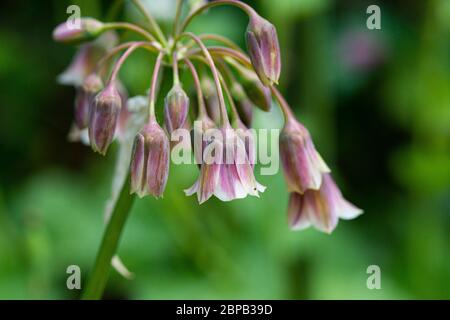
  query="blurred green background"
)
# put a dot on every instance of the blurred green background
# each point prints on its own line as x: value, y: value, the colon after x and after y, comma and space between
x: 377, y: 104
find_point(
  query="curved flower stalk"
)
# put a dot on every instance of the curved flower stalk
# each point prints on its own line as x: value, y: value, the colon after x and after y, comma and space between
x: 228, y: 90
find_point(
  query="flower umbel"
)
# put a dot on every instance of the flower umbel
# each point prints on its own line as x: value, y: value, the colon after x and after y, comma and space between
x: 229, y: 84
x: 232, y: 84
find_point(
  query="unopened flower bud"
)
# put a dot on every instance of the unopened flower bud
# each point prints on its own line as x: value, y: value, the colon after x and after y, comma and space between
x: 176, y: 108
x: 85, y: 95
x: 264, y: 49
x: 69, y: 32
x: 303, y: 165
x: 197, y: 133
x: 105, y: 110
x: 150, y: 161
x: 258, y: 94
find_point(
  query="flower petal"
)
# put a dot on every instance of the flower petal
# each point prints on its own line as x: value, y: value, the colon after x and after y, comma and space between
x: 297, y: 217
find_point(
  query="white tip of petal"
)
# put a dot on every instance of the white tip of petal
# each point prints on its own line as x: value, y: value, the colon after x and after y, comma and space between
x: 193, y: 189
x: 348, y: 211
x: 260, y: 187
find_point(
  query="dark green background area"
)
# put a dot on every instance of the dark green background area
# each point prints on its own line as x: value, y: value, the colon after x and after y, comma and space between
x: 376, y: 102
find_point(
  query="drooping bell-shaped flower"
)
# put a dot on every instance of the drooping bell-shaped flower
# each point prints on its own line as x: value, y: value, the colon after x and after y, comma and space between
x: 104, y: 113
x: 82, y: 65
x: 86, y: 58
x: 226, y: 171
x: 303, y: 166
x: 150, y: 161
x: 320, y: 208
x: 176, y: 108
x: 77, y: 31
x: 264, y: 49
x: 85, y: 95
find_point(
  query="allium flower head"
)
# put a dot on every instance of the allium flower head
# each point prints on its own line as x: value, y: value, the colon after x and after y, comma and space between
x: 303, y: 165
x: 88, y: 29
x: 105, y: 110
x: 176, y: 108
x: 321, y: 208
x: 228, y: 83
x: 150, y: 161
x: 264, y: 49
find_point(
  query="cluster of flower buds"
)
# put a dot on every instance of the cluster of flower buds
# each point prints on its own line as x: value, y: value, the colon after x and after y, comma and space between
x: 225, y: 102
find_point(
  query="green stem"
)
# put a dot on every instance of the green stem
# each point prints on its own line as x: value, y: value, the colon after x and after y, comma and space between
x: 245, y: 7
x: 154, y: 25
x: 287, y: 112
x: 224, y: 52
x: 217, y: 38
x: 99, y: 276
x: 121, y: 61
x: 102, y: 63
x: 215, y: 73
x: 176, y: 76
x: 228, y: 80
x: 152, y: 95
x: 201, y: 101
x: 130, y: 27
x: 177, y: 18
x: 234, y: 113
